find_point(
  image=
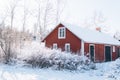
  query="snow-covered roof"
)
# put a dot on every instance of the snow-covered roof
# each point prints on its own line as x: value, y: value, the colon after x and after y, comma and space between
x: 91, y: 36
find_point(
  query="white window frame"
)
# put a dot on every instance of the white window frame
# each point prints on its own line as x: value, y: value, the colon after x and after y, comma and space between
x: 59, y: 34
x: 55, y: 46
x: 113, y: 48
x: 67, y: 44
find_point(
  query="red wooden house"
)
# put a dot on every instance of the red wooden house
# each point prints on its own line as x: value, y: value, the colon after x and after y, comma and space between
x: 99, y: 47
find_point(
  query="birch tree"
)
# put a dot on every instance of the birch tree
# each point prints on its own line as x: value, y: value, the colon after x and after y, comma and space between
x: 60, y: 5
x: 24, y: 20
x: 11, y: 11
x: 44, y: 10
x: 38, y: 23
x: 25, y: 14
x: 47, y: 15
x: 98, y: 21
x: 8, y: 35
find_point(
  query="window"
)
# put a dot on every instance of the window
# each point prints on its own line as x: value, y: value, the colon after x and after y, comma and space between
x: 113, y: 48
x: 54, y: 45
x: 61, y: 33
x: 67, y: 47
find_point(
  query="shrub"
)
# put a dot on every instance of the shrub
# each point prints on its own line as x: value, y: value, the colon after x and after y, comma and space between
x: 59, y: 60
x: 39, y: 56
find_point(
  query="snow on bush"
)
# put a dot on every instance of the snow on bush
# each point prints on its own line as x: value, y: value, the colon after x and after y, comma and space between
x: 114, y: 70
x: 36, y: 55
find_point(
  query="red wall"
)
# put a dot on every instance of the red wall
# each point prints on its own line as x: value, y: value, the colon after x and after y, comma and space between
x: 99, y: 52
x: 75, y: 42
x: 114, y: 54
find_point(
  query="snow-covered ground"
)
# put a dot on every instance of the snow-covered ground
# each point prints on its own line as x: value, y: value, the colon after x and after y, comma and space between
x: 103, y: 72
x: 20, y: 73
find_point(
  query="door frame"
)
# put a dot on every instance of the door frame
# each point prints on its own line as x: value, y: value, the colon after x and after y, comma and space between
x: 110, y: 53
x: 94, y: 51
x: 118, y: 52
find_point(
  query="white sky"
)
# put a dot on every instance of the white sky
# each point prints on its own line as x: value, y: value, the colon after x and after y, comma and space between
x: 77, y: 11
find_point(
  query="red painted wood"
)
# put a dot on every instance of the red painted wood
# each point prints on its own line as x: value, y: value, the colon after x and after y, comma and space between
x: 99, y: 51
x: 114, y: 54
x: 75, y: 44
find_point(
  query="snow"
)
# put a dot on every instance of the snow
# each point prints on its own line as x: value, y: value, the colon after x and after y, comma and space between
x: 104, y: 71
x: 24, y: 73
x: 35, y: 54
x: 91, y: 36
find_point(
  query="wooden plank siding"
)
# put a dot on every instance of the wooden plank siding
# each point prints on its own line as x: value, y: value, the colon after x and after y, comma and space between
x: 75, y: 45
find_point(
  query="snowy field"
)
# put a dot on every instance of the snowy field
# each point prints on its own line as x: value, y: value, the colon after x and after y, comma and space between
x: 20, y: 73
x: 104, y: 71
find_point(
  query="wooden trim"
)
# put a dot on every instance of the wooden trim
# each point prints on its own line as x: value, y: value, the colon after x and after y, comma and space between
x: 55, y: 44
x: 113, y: 49
x: 51, y: 32
x: 64, y: 28
x: 82, y: 47
x: 66, y: 45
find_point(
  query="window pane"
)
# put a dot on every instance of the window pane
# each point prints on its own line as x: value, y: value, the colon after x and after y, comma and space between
x: 61, y: 32
x: 54, y: 46
x: 67, y: 47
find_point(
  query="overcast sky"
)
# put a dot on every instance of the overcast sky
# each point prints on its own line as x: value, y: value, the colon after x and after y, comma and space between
x: 77, y: 11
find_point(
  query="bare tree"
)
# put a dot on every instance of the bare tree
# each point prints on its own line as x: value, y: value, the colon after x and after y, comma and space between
x: 60, y: 5
x: 25, y: 14
x: 43, y: 14
x: 48, y: 14
x: 11, y: 11
x: 48, y: 8
x: 8, y: 33
x: 6, y: 41
x: 39, y: 17
x: 117, y: 35
x: 98, y: 21
x: 2, y: 24
x: 52, y: 13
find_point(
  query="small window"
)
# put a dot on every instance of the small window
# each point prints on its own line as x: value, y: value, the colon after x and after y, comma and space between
x: 61, y: 32
x: 67, y: 47
x: 55, y: 46
x: 113, y: 48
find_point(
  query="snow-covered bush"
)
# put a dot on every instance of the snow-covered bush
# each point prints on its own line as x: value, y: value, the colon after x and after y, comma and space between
x: 57, y: 60
x: 10, y: 39
x: 36, y: 55
x: 114, y: 70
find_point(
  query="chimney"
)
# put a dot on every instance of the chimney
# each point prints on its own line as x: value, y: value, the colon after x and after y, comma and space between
x: 98, y: 29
